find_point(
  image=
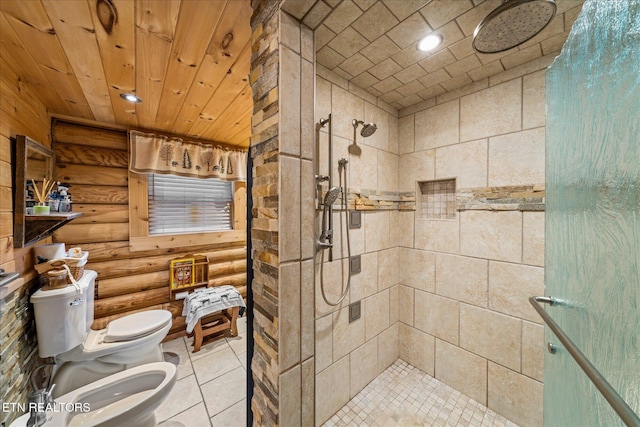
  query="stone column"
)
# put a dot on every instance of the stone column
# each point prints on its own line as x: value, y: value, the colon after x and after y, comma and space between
x: 282, y: 234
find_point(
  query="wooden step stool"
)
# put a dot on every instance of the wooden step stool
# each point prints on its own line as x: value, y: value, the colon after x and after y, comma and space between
x: 222, y: 321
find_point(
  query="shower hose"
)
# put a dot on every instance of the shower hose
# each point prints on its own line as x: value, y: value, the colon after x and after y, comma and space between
x: 341, y: 169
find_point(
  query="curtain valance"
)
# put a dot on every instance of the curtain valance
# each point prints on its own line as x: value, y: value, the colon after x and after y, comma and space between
x: 150, y: 153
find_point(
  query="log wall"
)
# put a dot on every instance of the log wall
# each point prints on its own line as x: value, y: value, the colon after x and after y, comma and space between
x: 94, y: 162
x: 21, y: 113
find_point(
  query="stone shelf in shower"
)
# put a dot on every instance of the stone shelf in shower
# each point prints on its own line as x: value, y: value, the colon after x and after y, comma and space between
x: 38, y: 227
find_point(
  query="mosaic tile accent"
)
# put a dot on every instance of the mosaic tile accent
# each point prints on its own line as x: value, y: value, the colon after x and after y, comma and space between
x: 405, y: 396
x: 438, y: 199
x: 374, y: 200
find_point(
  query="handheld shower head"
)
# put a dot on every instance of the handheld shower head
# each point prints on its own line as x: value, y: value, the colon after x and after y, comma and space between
x: 331, y: 196
x: 327, y: 232
x: 368, y: 129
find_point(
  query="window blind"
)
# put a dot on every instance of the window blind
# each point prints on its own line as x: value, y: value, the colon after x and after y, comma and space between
x: 180, y: 204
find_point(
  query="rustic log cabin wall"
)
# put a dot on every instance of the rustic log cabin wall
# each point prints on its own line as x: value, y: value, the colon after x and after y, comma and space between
x: 21, y: 113
x: 94, y: 161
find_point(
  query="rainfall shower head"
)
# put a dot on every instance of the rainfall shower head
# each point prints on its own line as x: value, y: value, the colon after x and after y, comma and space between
x: 367, y: 129
x: 511, y: 24
x: 331, y: 196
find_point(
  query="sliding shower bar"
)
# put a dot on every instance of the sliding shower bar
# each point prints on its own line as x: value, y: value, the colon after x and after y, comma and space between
x: 329, y: 178
x: 618, y: 404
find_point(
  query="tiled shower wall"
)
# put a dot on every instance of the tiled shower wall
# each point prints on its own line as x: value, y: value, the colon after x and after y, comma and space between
x: 295, y: 224
x: 350, y: 355
x: 448, y: 296
x: 464, y: 314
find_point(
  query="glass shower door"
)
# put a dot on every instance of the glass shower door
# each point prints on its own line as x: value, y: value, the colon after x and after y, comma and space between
x: 593, y: 213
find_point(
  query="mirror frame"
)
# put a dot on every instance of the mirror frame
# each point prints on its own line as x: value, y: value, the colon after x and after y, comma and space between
x: 23, y: 145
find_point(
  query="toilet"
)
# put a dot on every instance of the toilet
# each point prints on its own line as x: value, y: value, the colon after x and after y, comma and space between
x: 127, y: 398
x: 83, y: 355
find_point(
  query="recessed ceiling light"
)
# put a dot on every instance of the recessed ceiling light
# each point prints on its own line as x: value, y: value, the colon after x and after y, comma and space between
x: 429, y: 43
x: 130, y: 97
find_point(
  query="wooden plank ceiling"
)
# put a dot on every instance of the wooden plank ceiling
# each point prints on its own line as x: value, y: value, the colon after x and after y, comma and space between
x: 187, y: 60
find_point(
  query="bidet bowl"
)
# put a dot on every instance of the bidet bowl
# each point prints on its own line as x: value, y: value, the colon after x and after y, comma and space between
x: 128, y: 398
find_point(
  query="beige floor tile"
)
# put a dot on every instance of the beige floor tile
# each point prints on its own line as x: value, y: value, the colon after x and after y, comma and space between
x: 175, y: 351
x: 225, y: 391
x: 215, y: 365
x: 184, y: 395
x: 241, y: 323
x: 243, y: 359
x: 220, y: 365
x: 238, y: 344
x: 234, y: 416
x: 196, y: 416
x: 209, y: 348
x: 175, y: 346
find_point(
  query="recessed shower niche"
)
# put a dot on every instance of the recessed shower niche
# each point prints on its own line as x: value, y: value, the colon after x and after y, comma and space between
x: 437, y: 199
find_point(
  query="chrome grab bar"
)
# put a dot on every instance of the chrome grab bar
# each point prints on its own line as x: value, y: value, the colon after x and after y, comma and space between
x: 617, y: 403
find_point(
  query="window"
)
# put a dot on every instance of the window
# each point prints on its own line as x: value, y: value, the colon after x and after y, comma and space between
x: 180, y: 204
x: 213, y: 212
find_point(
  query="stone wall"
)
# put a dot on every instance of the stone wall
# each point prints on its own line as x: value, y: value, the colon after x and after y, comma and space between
x: 264, y: 229
x: 18, y: 354
x: 282, y: 217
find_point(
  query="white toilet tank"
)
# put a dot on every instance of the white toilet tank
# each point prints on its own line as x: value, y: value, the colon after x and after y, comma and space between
x: 64, y: 316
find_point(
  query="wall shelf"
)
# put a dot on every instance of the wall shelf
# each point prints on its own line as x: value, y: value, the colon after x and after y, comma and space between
x: 38, y: 227
x: 198, y: 274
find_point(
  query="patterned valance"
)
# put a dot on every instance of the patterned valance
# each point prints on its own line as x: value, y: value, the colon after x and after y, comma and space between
x: 151, y: 153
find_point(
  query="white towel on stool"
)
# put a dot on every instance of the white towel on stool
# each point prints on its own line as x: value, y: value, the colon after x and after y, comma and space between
x: 208, y: 301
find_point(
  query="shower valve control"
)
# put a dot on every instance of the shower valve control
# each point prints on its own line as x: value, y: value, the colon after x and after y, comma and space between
x: 355, y: 265
x: 354, y: 311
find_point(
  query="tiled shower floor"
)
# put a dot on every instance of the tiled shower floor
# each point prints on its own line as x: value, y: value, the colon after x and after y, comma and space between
x: 405, y: 396
x: 210, y: 392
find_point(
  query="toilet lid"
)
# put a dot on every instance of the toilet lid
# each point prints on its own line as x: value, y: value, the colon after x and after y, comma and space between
x: 136, y: 325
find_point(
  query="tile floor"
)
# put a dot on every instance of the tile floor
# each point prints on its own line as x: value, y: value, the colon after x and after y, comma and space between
x: 211, y: 392
x: 211, y: 389
x: 405, y: 396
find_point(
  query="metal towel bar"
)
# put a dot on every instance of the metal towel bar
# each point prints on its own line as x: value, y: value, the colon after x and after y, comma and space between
x: 617, y: 403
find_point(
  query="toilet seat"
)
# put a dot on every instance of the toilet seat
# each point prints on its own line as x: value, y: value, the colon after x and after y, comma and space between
x: 136, y: 325
x: 141, y: 339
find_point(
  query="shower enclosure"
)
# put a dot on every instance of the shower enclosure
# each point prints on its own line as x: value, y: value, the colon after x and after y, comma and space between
x: 593, y: 215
